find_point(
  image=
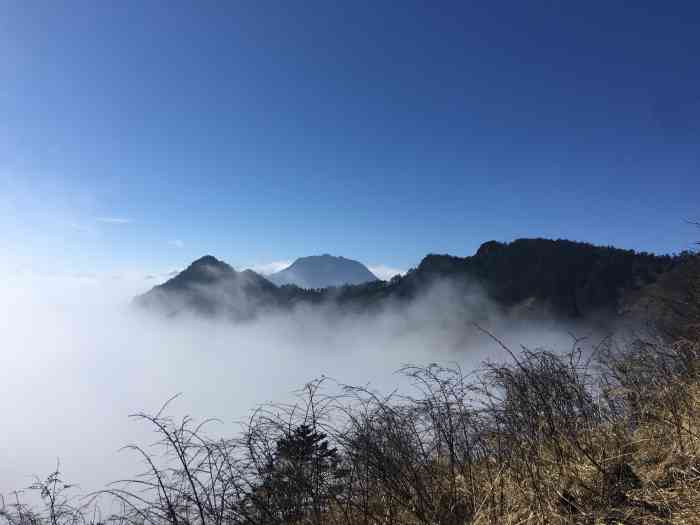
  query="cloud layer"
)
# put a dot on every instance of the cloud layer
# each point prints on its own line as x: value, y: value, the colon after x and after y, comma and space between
x: 77, y: 360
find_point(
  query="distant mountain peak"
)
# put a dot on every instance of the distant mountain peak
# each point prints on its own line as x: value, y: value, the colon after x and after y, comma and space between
x: 326, y: 257
x: 323, y: 271
x: 207, y: 260
x: 206, y: 269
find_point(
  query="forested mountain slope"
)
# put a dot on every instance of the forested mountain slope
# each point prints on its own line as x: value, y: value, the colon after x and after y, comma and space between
x: 541, y: 276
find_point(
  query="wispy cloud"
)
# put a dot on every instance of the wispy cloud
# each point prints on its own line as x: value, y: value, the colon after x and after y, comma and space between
x: 177, y: 243
x: 161, y: 277
x: 384, y: 272
x: 81, y: 228
x: 113, y: 220
x: 271, y: 267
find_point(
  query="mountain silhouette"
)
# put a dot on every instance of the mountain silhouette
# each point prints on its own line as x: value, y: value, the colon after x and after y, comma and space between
x: 541, y: 277
x: 209, y: 286
x: 323, y: 271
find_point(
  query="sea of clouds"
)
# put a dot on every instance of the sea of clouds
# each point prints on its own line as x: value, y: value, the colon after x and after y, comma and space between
x: 77, y: 359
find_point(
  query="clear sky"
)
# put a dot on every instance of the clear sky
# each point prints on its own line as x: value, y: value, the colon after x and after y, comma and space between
x: 145, y: 134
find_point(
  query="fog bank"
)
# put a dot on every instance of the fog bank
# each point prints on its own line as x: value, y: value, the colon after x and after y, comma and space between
x: 77, y: 360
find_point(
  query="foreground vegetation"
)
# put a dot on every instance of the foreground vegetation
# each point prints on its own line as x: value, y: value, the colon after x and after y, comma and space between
x: 572, y: 437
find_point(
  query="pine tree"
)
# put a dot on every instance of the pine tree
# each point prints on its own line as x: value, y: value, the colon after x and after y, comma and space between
x: 302, y: 477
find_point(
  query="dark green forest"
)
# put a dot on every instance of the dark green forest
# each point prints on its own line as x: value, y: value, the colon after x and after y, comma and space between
x: 570, y: 279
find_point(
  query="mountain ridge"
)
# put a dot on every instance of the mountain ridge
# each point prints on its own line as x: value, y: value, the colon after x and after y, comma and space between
x: 209, y: 285
x: 557, y: 278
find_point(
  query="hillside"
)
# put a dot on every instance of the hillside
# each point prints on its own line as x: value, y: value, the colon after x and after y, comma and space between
x: 570, y: 278
x: 209, y: 286
x: 545, y: 278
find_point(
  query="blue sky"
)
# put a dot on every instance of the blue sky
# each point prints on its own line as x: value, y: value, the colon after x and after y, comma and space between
x: 143, y: 135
